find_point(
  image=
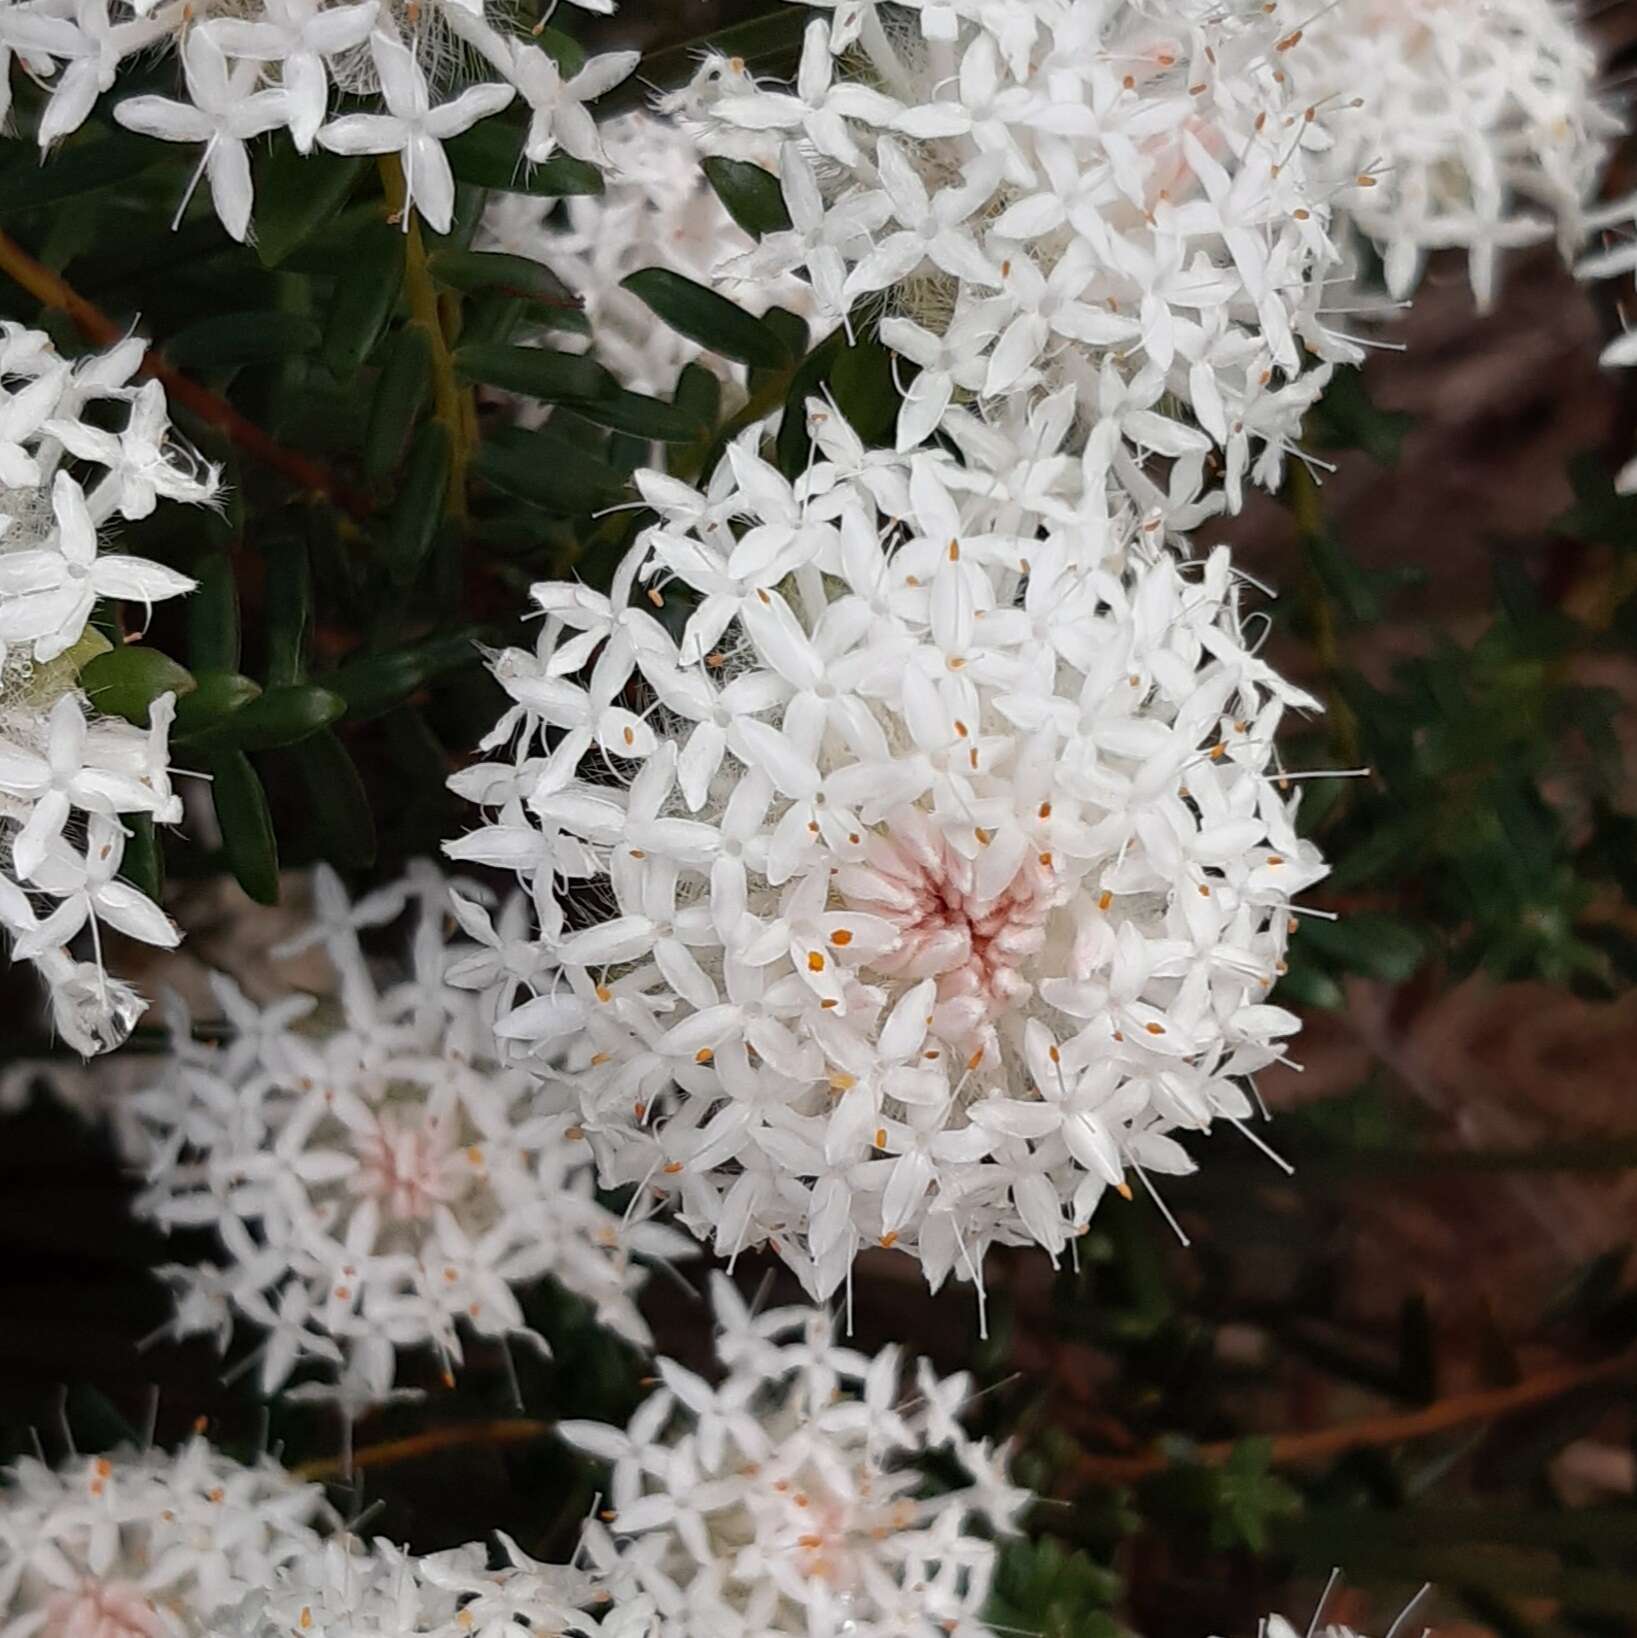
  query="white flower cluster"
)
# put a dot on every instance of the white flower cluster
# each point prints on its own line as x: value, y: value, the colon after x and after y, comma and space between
x: 956, y: 866
x: 345, y: 1589
x: 146, y: 1544
x: 785, y: 1498
x: 1111, y: 198
x: 656, y: 210
x: 65, y: 776
x: 378, y: 1180
x: 274, y: 65
x: 1478, y: 127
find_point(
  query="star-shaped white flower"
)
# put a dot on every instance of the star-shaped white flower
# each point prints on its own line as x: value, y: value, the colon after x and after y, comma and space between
x: 413, y: 128
x: 49, y: 592
x: 223, y: 113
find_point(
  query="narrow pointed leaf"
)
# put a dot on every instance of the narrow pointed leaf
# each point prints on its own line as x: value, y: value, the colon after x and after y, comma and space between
x: 247, y: 825
x: 713, y: 321
x: 366, y: 290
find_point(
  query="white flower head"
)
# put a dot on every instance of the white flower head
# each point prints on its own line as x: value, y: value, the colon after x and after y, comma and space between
x: 378, y: 1179
x: 146, y: 1544
x: 785, y: 1498
x: 1477, y: 127
x: 1110, y: 201
x: 922, y: 885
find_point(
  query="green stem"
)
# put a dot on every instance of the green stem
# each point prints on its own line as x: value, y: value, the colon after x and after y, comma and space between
x: 451, y: 403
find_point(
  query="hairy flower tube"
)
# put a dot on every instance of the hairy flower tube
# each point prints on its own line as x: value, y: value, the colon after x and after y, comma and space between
x: 66, y: 774
x: 1112, y: 199
x: 922, y: 885
x: 785, y: 1498
x: 378, y: 1180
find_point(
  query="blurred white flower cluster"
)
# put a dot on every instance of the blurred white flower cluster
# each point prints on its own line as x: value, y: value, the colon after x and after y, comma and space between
x: 377, y: 1179
x: 955, y: 869
x: 656, y: 210
x: 785, y: 1499
x: 1478, y: 126
x: 279, y: 64
x: 146, y: 1544
x: 1112, y: 199
x: 344, y: 1588
x: 66, y: 775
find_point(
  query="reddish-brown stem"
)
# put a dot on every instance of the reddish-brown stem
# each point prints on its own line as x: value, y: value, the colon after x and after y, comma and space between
x: 52, y: 290
x: 1458, y: 1410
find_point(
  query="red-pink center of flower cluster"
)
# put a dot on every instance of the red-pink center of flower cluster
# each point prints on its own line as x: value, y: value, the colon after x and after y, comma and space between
x: 113, y: 1609
x: 406, y: 1168
x: 974, y: 943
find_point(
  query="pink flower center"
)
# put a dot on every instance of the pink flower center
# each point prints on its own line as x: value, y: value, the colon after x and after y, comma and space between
x: 406, y: 1167
x: 973, y: 940
x: 113, y: 1609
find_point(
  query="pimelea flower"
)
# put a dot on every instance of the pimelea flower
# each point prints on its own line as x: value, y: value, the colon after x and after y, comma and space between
x: 785, y: 1497
x: 249, y: 70
x: 347, y: 1588
x: 923, y: 885
x: 146, y: 1544
x: 1108, y: 198
x: 1478, y: 127
x: 378, y: 1180
x: 65, y: 775
x: 656, y: 210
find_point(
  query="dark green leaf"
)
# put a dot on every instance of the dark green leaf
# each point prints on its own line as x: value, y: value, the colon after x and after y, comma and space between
x: 641, y: 416
x: 699, y: 395
x: 418, y: 509
x: 471, y: 270
x: 711, y: 320
x: 490, y: 155
x: 750, y: 194
x: 213, y: 615
x: 143, y: 865
x: 289, y: 597
x: 400, y: 392
x: 297, y: 193
x: 368, y: 279
x: 536, y: 372
x: 247, y: 825
x: 337, y: 799
x: 283, y: 716
x: 125, y: 681
x: 375, y: 683
x: 862, y: 385
x: 228, y: 340
x: 203, y: 713
x: 82, y: 166
x: 548, y: 471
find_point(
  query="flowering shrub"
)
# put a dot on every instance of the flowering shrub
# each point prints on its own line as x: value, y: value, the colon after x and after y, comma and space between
x: 782, y: 1505
x: 377, y: 1179
x: 960, y: 881
x: 778, y: 512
